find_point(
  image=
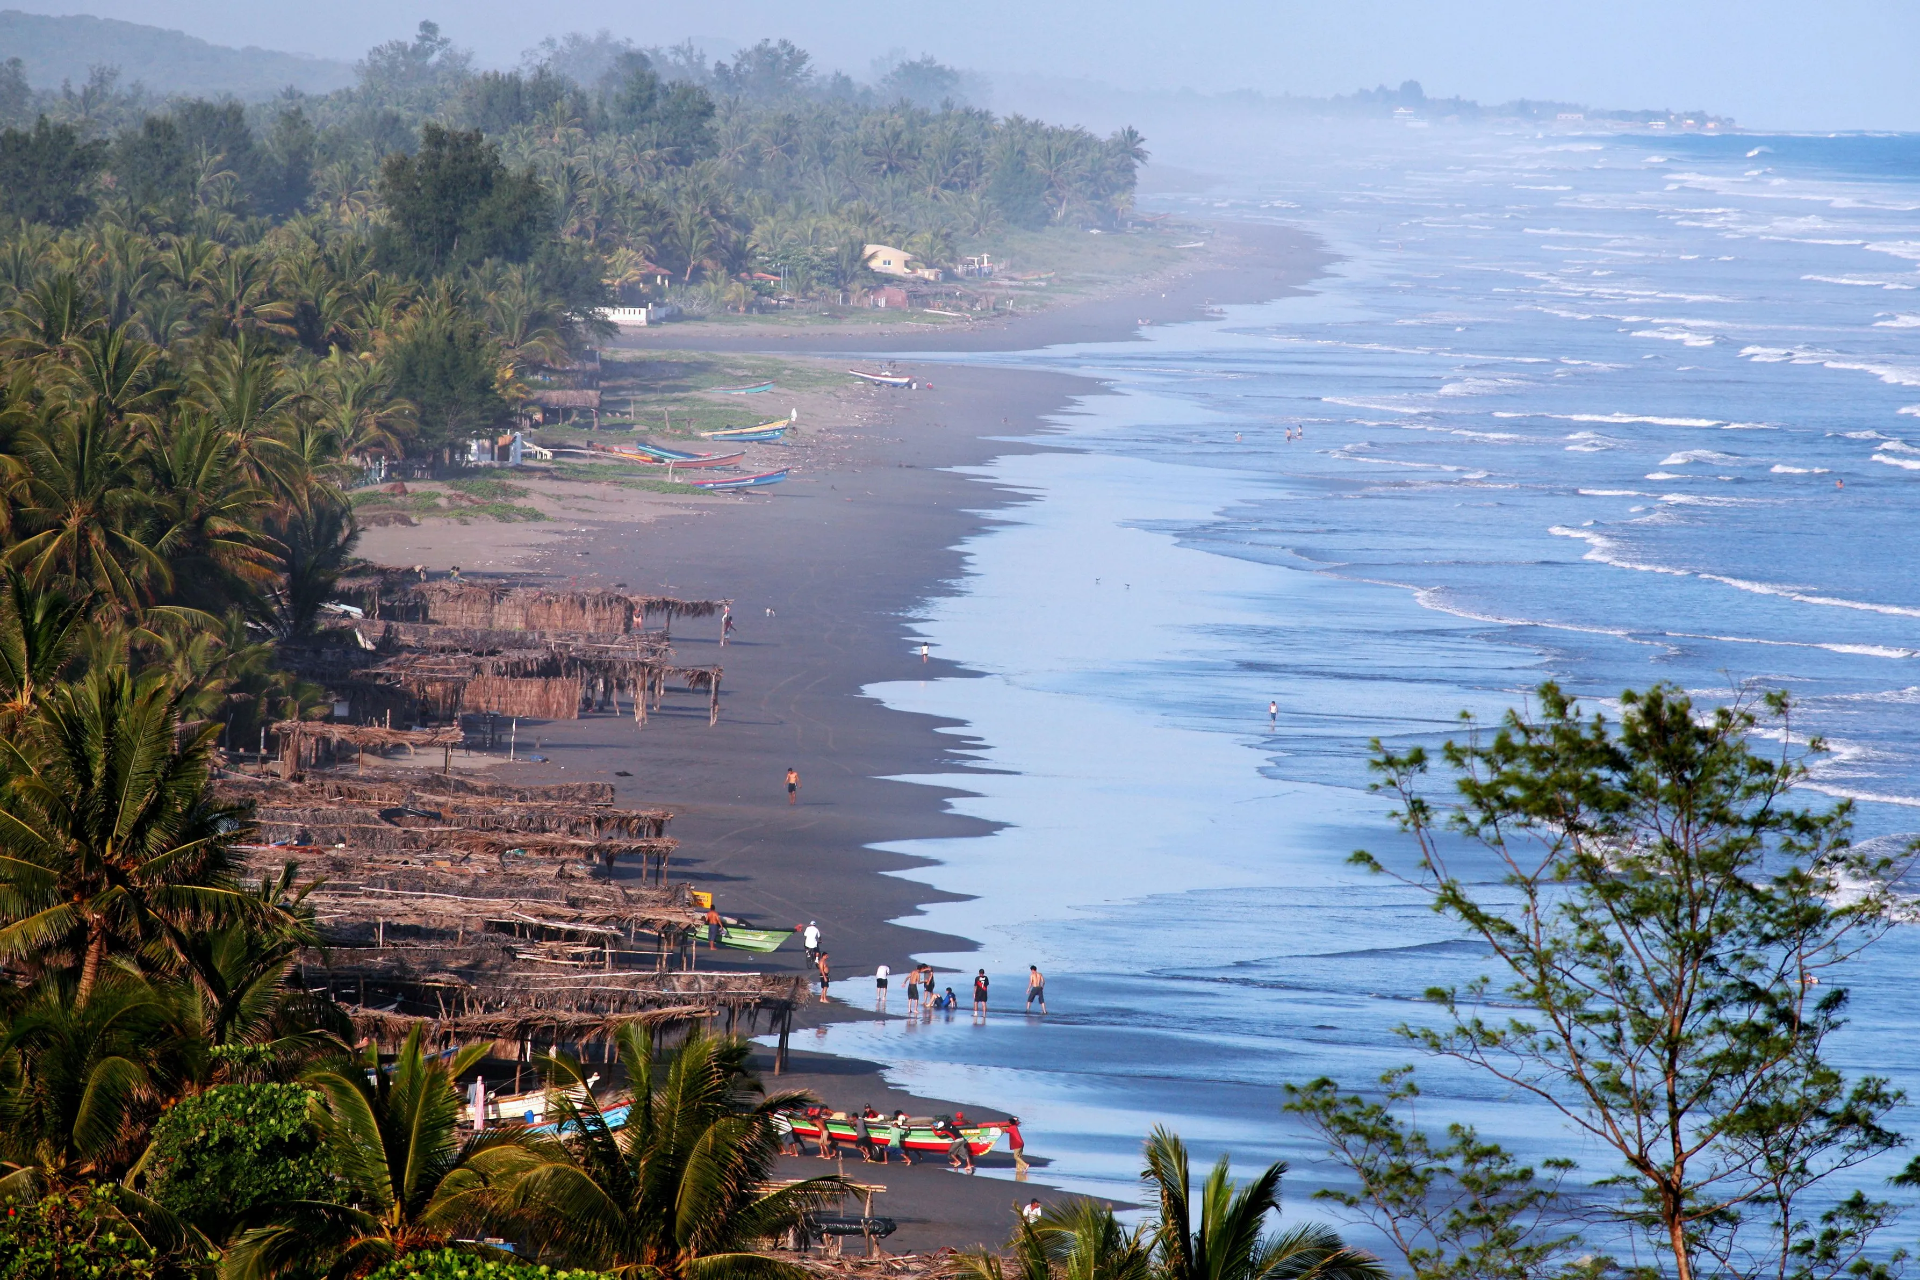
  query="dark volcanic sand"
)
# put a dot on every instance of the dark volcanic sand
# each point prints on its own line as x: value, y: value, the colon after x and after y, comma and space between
x: 842, y: 555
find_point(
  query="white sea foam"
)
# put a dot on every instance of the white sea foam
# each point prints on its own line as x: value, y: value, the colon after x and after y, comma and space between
x: 1667, y: 475
x: 1701, y: 455
x: 1868, y: 434
x: 1900, y: 320
x: 1684, y: 336
x: 1865, y: 282
x: 1907, y: 464
x: 1701, y: 500
x: 1909, y: 249
x: 1862, y: 650
x: 1622, y: 419
x: 1611, y: 493
x: 1782, y: 469
x: 1801, y: 594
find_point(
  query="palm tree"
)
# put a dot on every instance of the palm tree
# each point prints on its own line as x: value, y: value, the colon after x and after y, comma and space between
x: 110, y: 845
x: 682, y: 1190
x: 87, y: 509
x: 406, y: 1179
x: 1078, y: 1240
x: 1231, y: 1242
x: 78, y: 1079
x: 37, y: 631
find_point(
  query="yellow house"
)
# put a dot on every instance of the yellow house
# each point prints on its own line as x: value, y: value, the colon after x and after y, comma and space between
x: 889, y: 261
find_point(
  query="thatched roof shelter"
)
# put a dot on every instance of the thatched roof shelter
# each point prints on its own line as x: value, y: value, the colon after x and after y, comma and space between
x: 500, y: 607
x: 667, y: 608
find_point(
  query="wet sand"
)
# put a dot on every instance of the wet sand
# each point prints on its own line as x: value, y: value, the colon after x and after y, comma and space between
x: 842, y: 554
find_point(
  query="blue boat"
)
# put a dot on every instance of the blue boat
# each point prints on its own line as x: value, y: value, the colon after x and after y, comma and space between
x: 742, y: 482
x: 753, y: 390
x: 745, y: 435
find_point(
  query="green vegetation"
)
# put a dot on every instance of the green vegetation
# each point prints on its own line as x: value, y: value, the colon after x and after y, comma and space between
x: 1664, y: 930
x: 1081, y: 1239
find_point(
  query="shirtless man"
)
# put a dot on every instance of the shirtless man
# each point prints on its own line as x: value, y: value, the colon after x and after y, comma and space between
x: 1036, y: 988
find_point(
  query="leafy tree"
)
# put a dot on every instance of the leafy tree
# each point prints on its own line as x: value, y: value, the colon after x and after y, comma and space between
x: 45, y: 173
x: 924, y: 82
x: 16, y: 95
x: 1463, y: 1209
x: 1230, y: 1242
x: 1663, y: 921
x: 682, y: 1190
x: 454, y: 204
x: 1018, y: 190
x: 218, y: 1156
x: 153, y: 168
x: 770, y: 70
x: 446, y: 368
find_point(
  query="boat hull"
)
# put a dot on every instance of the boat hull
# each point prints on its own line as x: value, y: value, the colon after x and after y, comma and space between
x: 753, y: 390
x: 653, y: 455
x: 761, y: 940
x: 747, y: 435
x: 881, y: 379
x: 741, y: 482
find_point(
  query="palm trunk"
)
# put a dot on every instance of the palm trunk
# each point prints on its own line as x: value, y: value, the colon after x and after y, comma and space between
x: 96, y: 954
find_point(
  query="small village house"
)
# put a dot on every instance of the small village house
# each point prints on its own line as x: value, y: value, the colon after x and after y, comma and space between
x: 884, y: 259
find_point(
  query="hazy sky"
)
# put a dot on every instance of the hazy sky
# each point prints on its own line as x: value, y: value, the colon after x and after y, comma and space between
x: 1808, y: 64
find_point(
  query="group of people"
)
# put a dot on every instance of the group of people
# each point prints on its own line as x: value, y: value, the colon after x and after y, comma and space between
x: 873, y: 1147
x: 924, y: 996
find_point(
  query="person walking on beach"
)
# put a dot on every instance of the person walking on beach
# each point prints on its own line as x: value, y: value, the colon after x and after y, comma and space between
x: 923, y: 653
x: 913, y: 991
x: 715, y: 927
x: 726, y: 625
x: 811, y: 937
x: 826, y: 975
x: 793, y: 785
x: 1036, y: 988
x: 1273, y: 716
x: 880, y: 976
x: 980, y: 994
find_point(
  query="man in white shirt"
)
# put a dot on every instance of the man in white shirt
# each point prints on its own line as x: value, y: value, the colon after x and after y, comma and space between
x: 880, y: 977
x: 812, y: 938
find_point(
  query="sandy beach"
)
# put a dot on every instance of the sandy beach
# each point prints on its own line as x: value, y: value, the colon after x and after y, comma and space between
x: 823, y: 570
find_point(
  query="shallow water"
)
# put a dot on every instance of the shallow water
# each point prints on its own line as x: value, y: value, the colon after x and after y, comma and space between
x: 1573, y: 409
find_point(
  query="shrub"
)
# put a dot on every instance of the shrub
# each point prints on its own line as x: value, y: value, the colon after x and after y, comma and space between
x: 235, y: 1148
x: 71, y: 1234
x: 453, y: 1264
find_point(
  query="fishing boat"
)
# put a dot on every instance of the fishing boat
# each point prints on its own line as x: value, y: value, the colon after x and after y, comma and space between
x: 746, y: 435
x: 882, y: 379
x: 922, y: 1133
x: 741, y: 482
x: 761, y: 940
x: 753, y: 390
x: 680, y: 458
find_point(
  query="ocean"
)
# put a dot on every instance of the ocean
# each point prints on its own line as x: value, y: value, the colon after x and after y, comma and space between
x: 1606, y: 410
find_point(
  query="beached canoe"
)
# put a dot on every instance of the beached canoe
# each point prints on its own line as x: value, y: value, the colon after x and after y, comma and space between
x: 686, y: 461
x: 753, y: 390
x: 926, y: 1134
x: 882, y: 379
x: 741, y: 482
x: 744, y: 435
x: 761, y: 940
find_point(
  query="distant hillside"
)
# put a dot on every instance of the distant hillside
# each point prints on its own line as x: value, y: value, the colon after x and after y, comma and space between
x: 169, y: 63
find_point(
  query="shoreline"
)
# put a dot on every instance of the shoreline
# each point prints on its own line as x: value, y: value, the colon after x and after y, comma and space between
x: 844, y: 556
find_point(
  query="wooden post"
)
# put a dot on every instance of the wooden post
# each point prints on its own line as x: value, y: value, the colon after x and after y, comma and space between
x: 780, y: 1050
x: 713, y: 698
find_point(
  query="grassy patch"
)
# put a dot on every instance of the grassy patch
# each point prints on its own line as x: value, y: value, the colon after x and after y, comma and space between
x: 412, y: 502
x: 620, y: 477
x: 504, y: 512
x: 487, y: 488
